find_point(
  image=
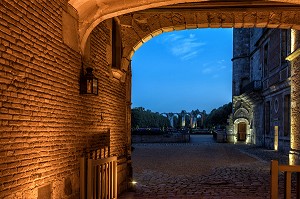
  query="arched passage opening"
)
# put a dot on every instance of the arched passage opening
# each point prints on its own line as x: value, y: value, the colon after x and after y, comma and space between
x: 139, y: 27
x: 91, y: 12
x: 139, y: 23
x: 184, y: 70
x: 246, y: 124
x: 242, y: 128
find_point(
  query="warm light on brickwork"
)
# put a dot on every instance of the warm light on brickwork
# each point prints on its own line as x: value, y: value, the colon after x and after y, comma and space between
x: 46, y: 125
x: 293, y: 40
x: 294, y: 58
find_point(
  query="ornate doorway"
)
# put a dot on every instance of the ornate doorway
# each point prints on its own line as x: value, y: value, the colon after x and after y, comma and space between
x: 241, y: 135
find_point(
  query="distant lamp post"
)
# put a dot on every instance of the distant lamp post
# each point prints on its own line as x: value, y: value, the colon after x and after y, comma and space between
x: 89, y: 83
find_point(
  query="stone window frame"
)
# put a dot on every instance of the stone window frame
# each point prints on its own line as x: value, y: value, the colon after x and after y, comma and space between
x: 116, y: 44
x: 265, y: 57
x: 117, y: 50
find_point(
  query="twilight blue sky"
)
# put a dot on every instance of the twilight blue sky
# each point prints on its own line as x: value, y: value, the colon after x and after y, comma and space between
x: 183, y: 70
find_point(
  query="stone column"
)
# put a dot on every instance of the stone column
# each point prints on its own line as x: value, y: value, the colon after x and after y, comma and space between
x: 171, y: 120
x: 191, y: 121
x: 194, y: 125
x: 183, y: 120
x: 294, y: 58
x: 240, y: 60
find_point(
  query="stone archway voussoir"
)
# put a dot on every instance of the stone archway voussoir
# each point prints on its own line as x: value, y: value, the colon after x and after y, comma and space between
x: 138, y: 28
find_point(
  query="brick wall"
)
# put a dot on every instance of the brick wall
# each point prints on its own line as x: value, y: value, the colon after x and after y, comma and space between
x: 112, y: 103
x: 295, y: 101
x: 46, y: 125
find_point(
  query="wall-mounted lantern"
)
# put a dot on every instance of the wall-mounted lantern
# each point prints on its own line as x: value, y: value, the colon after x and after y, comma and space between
x: 89, y: 83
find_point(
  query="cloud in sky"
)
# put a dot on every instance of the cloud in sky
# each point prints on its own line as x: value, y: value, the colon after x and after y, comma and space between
x: 185, y: 47
x: 214, y: 68
x: 207, y: 71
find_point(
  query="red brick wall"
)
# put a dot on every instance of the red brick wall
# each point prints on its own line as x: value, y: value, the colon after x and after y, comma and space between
x: 46, y: 125
x: 112, y: 102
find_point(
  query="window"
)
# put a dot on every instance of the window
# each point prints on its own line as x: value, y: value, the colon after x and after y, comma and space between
x: 116, y: 45
x: 285, y: 43
x: 267, y: 117
x: 287, y: 115
x: 265, y: 60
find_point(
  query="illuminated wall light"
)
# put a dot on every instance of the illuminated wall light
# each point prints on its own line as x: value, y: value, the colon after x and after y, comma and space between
x: 276, y: 138
x: 89, y: 83
x: 133, y: 185
x: 134, y: 182
x: 293, y: 145
x: 248, y: 134
x: 235, y: 133
x: 291, y: 159
x: 292, y: 140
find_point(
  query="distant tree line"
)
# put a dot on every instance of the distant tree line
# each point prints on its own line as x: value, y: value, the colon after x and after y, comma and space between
x: 141, y: 118
x: 218, y: 117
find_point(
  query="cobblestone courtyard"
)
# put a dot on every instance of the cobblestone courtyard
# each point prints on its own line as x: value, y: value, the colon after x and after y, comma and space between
x: 201, y: 169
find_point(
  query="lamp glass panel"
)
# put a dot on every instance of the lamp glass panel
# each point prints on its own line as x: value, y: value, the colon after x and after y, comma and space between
x: 95, y: 86
x: 89, y: 86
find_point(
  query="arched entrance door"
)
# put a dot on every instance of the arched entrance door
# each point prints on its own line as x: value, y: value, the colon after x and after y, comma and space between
x: 241, y: 134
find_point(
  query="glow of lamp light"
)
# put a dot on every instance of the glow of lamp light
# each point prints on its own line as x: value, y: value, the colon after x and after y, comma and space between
x: 293, y: 39
x: 134, y: 182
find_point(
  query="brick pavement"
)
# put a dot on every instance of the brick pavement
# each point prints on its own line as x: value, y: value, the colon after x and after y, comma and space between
x: 202, y: 170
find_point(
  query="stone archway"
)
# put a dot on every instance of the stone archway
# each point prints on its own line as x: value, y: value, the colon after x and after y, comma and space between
x: 139, y: 23
x: 137, y: 28
x: 44, y: 116
x: 92, y: 12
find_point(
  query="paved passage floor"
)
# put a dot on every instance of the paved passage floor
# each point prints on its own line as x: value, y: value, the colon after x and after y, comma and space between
x: 201, y: 169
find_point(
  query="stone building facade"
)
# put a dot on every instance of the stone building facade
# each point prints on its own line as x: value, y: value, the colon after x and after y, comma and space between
x: 261, y: 88
x: 46, y: 125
